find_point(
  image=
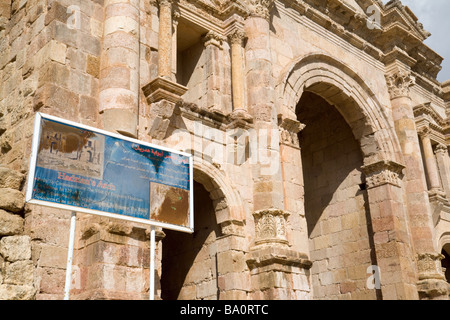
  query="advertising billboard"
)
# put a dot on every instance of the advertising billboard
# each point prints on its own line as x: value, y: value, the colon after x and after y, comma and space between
x: 84, y: 169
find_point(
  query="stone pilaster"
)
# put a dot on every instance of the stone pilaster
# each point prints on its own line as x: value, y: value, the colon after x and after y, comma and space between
x: 213, y: 49
x: 399, y: 82
x: 277, y: 271
x: 233, y: 280
x: 119, y: 74
x: 393, y: 251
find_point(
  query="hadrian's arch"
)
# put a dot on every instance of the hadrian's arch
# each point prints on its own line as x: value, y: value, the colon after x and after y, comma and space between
x: 351, y: 163
x: 191, y: 263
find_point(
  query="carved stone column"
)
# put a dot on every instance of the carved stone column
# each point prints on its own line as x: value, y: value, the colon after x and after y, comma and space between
x: 213, y: 48
x: 442, y: 159
x: 237, y: 74
x: 399, y: 82
x: 165, y: 39
x: 163, y: 92
x: 394, y: 255
x: 260, y: 86
x: 119, y: 72
x: 430, y: 161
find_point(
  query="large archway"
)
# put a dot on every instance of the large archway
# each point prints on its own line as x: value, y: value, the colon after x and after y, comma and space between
x: 336, y: 205
x: 370, y: 124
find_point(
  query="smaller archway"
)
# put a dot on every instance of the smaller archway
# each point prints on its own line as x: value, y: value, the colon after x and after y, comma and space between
x: 189, y: 261
x: 446, y: 261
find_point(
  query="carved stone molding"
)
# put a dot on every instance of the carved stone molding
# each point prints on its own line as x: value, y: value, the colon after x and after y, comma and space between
x: 432, y: 283
x: 283, y: 258
x: 161, y: 88
x: 260, y: 8
x: 399, y: 84
x: 441, y: 149
x: 213, y: 38
x: 270, y: 226
x: 383, y: 172
x: 289, y: 130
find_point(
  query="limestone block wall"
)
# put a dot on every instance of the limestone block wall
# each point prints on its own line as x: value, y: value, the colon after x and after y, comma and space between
x: 336, y: 207
x: 16, y: 264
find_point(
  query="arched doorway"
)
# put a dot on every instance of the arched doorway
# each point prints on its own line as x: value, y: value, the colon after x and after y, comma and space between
x: 446, y: 261
x: 189, y: 261
x: 336, y: 205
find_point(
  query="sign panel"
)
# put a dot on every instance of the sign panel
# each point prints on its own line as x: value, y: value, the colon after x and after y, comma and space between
x: 84, y: 169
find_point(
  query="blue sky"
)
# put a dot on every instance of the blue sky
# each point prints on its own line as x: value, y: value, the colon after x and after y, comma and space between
x: 434, y: 15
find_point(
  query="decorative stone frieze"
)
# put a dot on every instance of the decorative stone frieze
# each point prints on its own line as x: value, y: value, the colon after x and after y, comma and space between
x: 289, y: 130
x: 383, y: 172
x: 270, y: 226
x: 399, y: 83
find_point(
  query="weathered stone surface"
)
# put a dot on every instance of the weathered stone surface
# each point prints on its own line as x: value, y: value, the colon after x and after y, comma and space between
x: 10, y: 224
x: 10, y: 178
x: 11, y: 200
x: 15, y: 248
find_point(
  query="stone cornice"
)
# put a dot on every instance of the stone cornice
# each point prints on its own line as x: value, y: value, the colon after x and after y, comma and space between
x: 399, y: 27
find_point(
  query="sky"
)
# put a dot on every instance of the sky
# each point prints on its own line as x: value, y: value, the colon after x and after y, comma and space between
x: 434, y: 15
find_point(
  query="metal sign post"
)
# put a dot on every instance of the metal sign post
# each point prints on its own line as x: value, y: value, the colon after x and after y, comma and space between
x: 73, y: 219
x: 152, y: 263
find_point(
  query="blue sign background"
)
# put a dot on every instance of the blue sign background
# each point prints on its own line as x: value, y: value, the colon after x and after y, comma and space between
x: 128, y: 169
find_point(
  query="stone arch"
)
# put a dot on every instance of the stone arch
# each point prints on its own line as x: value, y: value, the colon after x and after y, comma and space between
x: 221, y: 190
x: 340, y: 86
x: 444, y: 247
x: 200, y: 257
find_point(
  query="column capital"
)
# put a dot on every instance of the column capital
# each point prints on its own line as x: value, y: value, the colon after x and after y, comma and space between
x: 383, y: 172
x: 260, y: 8
x: 165, y: 3
x: 441, y: 149
x: 289, y: 130
x: 424, y: 131
x: 399, y: 83
x: 213, y: 38
x: 270, y: 226
x: 237, y: 36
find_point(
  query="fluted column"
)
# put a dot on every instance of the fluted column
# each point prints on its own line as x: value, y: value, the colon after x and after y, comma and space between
x: 119, y: 74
